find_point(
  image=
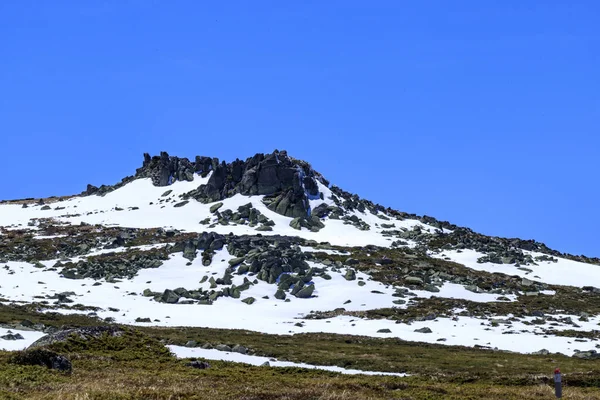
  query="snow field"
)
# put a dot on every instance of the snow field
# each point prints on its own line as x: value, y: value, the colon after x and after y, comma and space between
x: 211, y: 354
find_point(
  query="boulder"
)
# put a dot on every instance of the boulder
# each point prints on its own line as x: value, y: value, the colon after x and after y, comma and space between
x: 239, y: 349
x: 12, y: 336
x: 350, y: 275
x: 423, y: 330
x: 198, y: 364
x: 431, y: 288
x: 43, y: 357
x: 85, y: 333
x: 236, y: 261
x: 169, y: 296
x: 526, y: 282
x: 280, y: 294
x: 413, y: 280
x: 542, y: 352
x: 306, y: 292
x: 222, y: 347
x: 249, y: 300
x: 215, y: 207
x: 587, y: 355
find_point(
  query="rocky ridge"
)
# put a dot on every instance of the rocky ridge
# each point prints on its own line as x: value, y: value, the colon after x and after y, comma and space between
x: 288, y: 184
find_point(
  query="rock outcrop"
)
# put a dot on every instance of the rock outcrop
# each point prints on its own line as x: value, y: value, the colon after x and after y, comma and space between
x: 287, y: 183
x: 84, y: 333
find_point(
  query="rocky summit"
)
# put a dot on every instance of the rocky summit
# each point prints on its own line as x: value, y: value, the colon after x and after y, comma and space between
x: 267, y: 246
x: 289, y: 183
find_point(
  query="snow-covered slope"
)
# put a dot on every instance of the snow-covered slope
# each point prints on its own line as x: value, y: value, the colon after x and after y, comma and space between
x: 154, y: 210
x: 347, y: 259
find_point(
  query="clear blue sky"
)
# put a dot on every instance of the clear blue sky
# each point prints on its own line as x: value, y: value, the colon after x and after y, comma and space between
x: 483, y: 113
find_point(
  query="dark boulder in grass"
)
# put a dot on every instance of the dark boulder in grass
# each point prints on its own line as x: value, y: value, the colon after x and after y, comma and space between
x: 198, y: 364
x: 587, y: 355
x: 44, y: 358
x: 122, y: 344
x: 239, y: 349
x: 85, y: 334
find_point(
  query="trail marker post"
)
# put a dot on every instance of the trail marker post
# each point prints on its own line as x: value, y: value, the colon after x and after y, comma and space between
x: 557, y: 383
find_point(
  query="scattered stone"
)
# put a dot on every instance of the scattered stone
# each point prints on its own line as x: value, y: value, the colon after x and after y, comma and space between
x: 215, y: 207
x: 413, y: 280
x: 352, y: 261
x: 431, y: 288
x: 239, y: 349
x: 306, y: 292
x: 587, y: 355
x: 236, y: 261
x: 198, y: 364
x: 43, y: 357
x: 223, y: 347
x: 423, y: 330
x: 350, y: 275
x: 169, y: 296
x: 12, y: 336
x: 249, y: 300
x: 526, y: 282
x: 542, y: 352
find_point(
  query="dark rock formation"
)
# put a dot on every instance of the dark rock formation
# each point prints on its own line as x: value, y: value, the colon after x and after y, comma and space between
x: 43, y: 357
x: 287, y: 182
x: 12, y: 336
x: 198, y: 364
x: 85, y: 333
x: 164, y: 169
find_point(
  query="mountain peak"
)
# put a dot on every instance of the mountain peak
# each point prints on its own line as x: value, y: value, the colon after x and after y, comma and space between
x: 288, y: 182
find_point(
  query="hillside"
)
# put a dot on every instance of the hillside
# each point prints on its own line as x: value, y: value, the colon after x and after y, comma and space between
x: 264, y: 261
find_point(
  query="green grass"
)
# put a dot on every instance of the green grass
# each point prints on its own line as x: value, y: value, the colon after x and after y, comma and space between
x: 449, y: 364
x: 136, y: 366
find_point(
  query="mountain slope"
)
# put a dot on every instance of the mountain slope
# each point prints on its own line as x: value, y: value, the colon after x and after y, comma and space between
x: 267, y: 245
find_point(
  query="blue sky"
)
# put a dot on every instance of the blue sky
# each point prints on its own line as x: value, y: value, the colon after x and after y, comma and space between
x: 483, y: 113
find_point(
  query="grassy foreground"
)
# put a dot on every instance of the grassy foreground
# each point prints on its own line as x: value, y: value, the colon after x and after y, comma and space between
x: 137, y: 366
